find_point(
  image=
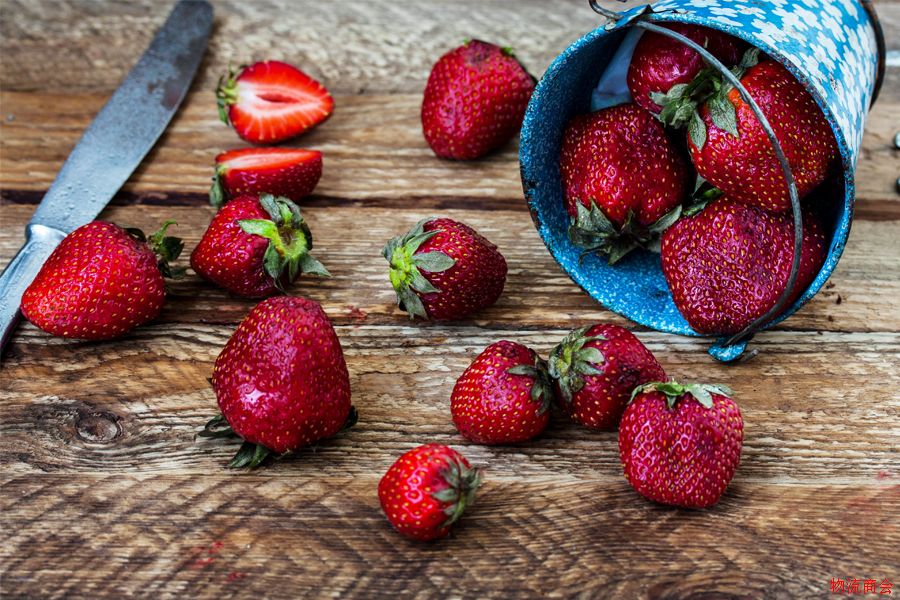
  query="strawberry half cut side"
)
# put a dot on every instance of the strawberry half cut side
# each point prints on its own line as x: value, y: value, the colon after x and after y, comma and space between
x: 272, y: 101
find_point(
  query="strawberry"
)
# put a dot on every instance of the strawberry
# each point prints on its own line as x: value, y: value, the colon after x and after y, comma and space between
x: 739, y: 159
x: 596, y: 368
x: 728, y: 145
x: 271, y: 101
x: 427, y: 490
x: 659, y: 63
x: 727, y: 265
x: 475, y: 100
x: 681, y: 444
x: 289, y: 172
x: 503, y: 397
x: 624, y: 180
x: 256, y: 246
x: 443, y: 269
x: 281, y: 381
x: 102, y: 281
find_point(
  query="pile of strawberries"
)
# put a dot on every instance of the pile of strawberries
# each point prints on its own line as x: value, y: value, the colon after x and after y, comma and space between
x: 724, y: 227
x: 281, y: 381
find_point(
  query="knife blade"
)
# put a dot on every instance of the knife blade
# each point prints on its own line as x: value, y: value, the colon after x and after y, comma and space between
x: 111, y: 148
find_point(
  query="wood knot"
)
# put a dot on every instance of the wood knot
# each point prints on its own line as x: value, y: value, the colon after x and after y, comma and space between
x: 98, y: 427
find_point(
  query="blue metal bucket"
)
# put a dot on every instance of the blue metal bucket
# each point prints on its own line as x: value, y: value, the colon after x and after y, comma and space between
x: 835, y: 48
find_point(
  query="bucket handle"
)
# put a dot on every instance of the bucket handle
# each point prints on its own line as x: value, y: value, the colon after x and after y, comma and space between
x: 711, y: 60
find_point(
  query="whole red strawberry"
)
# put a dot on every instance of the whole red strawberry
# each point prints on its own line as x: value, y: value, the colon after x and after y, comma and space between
x: 101, y: 282
x: 727, y: 265
x: 254, y: 247
x: 444, y: 270
x: 281, y: 381
x: 289, y: 172
x: 596, y: 368
x: 681, y: 444
x: 624, y: 179
x: 475, y: 100
x: 660, y: 63
x: 427, y: 490
x: 733, y: 153
x: 271, y: 101
x: 503, y: 397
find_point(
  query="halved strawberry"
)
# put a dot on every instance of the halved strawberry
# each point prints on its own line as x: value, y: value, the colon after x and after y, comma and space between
x: 272, y: 101
x: 288, y: 172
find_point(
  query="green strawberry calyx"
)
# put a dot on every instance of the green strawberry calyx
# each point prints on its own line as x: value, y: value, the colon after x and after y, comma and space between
x: 674, y: 391
x: 571, y: 361
x: 407, y: 265
x: 542, y: 387
x: 592, y: 231
x: 217, y: 195
x: 681, y: 104
x: 167, y: 248
x: 251, y: 455
x: 704, y: 194
x: 290, y: 240
x: 462, y: 483
x: 226, y: 93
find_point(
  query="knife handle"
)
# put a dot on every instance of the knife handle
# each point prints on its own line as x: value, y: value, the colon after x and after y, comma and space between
x: 40, y: 242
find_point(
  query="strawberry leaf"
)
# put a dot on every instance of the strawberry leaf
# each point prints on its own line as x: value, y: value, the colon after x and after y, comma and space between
x: 217, y: 427
x: 311, y: 266
x: 420, y: 284
x: 542, y: 387
x: 697, y: 131
x: 433, y: 262
x: 352, y: 419
x: 723, y: 113
x: 217, y: 196
x: 411, y: 303
x: 666, y: 221
x: 249, y: 456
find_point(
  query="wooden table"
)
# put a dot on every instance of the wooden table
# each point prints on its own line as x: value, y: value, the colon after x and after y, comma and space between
x: 107, y: 492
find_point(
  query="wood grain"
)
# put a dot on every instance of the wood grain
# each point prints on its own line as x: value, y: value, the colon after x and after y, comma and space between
x: 373, y: 146
x: 247, y: 536
x: 108, y: 493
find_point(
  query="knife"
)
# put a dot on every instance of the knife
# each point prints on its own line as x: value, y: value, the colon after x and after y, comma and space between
x: 111, y: 148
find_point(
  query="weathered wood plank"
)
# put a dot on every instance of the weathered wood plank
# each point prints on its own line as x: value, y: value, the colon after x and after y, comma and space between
x: 378, y: 46
x: 108, y: 493
x: 373, y: 148
x: 538, y: 293
x: 262, y: 537
x: 137, y: 404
